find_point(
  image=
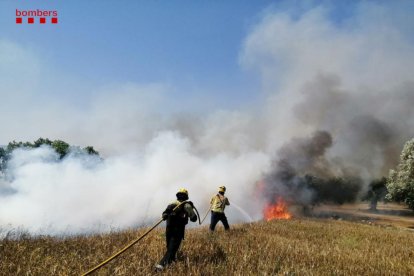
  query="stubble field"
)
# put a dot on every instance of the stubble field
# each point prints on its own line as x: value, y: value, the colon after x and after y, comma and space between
x: 279, y: 247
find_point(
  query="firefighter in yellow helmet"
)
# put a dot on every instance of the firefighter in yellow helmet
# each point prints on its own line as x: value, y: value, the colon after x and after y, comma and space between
x: 218, y: 203
x: 176, y: 221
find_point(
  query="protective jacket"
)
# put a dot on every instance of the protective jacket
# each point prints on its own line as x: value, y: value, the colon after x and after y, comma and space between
x: 178, y: 219
x: 218, y: 203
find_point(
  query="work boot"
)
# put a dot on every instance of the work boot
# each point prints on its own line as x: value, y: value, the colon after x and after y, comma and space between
x: 159, y: 267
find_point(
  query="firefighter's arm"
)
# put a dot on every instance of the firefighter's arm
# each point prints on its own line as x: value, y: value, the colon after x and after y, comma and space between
x: 166, y: 212
x: 227, y: 201
x: 188, y: 207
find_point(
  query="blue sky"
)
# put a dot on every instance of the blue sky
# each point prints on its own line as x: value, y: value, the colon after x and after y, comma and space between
x: 191, y: 45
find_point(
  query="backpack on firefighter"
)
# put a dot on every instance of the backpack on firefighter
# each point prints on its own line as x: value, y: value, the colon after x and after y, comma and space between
x: 177, y: 217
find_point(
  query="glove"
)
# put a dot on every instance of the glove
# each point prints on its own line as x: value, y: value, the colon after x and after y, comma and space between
x: 193, y: 219
x: 164, y: 216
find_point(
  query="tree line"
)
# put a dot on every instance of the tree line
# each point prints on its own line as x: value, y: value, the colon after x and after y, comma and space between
x: 60, y: 147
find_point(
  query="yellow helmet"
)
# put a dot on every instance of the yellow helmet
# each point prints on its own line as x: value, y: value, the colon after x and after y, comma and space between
x: 182, y: 191
x: 222, y: 189
x: 182, y: 194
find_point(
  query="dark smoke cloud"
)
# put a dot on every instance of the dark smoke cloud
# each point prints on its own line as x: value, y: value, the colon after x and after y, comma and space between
x: 368, y: 132
x: 306, y: 154
x: 351, y: 81
x: 369, y: 126
x: 303, y: 175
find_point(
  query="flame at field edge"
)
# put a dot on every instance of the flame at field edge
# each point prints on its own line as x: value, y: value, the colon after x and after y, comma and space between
x: 277, y: 210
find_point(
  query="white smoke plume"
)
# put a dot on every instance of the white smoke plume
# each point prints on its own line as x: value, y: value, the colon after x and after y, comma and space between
x: 85, y: 194
x: 352, y: 80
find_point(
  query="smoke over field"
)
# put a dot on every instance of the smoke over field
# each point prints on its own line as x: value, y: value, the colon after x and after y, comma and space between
x: 337, y: 108
x: 341, y: 111
x: 85, y: 194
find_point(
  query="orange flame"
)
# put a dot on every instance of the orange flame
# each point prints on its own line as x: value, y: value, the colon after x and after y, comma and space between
x: 277, y: 210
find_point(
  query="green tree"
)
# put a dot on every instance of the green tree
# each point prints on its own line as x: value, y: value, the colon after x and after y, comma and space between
x: 400, y: 182
x: 61, y: 147
x: 3, y: 156
x: 91, y: 150
x: 13, y: 145
x: 42, y: 141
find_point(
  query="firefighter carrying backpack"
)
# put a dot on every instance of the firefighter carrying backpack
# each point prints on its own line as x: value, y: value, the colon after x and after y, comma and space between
x: 178, y: 217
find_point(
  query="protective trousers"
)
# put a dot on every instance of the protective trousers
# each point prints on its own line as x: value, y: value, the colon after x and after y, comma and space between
x: 215, y: 218
x: 174, y: 239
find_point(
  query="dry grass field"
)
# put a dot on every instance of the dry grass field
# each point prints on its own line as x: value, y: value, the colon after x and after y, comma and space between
x: 279, y: 247
x: 390, y: 214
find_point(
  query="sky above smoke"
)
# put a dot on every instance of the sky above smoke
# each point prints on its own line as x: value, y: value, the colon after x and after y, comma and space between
x: 349, y: 76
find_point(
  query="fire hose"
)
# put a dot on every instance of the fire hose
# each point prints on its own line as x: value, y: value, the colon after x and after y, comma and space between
x: 135, y: 241
x: 205, y: 216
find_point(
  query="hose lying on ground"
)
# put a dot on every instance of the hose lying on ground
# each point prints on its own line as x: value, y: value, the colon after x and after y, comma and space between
x: 134, y: 242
